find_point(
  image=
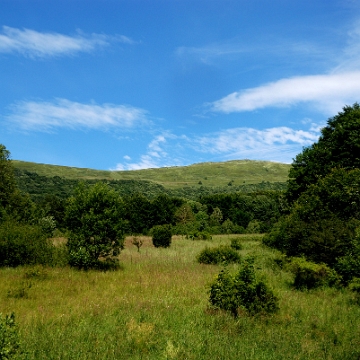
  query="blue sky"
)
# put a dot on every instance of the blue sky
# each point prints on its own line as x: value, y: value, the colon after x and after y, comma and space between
x: 132, y: 84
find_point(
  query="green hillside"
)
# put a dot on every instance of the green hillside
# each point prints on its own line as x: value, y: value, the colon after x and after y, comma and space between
x: 220, y: 174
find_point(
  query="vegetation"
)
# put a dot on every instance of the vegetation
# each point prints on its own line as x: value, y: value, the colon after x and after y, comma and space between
x: 242, y: 291
x: 9, y: 337
x: 157, y: 306
x: 93, y: 216
x: 218, y: 255
x: 324, y: 194
x: 240, y: 172
x: 161, y: 236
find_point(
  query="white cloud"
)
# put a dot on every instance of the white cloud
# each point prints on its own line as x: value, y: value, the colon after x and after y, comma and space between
x: 328, y: 93
x: 39, y: 44
x: 62, y: 113
x: 277, y: 144
x: 156, y: 155
x: 280, y: 144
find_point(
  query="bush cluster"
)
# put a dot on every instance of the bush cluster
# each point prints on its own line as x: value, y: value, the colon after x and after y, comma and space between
x: 161, y: 235
x: 309, y: 275
x: 242, y: 292
x: 22, y: 244
x: 217, y: 255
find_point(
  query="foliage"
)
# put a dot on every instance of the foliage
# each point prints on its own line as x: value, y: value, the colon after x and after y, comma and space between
x: 338, y: 146
x: 354, y: 286
x: 309, y: 275
x: 236, y: 243
x: 9, y: 337
x: 22, y: 244
x: 322, y: 222
x: 199, y: 235
x: 161, y: 235
x: 348, y: 266
x: 217, y: 255
x: 242, y: 292
x: 94, y: 216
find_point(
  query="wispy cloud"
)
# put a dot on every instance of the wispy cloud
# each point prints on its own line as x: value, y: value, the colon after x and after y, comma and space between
x: 328, y: 93
x: 338, y: 85
x: 280, y: 144
x: 157, y: 154
x: 63, y: 113
x: 44, y: 44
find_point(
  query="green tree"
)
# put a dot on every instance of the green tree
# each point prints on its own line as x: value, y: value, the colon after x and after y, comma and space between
x: 338, y: 146
x: 7, y: 178
x: 323, y: 220
x: 94, y: 216
x: 12, y: 201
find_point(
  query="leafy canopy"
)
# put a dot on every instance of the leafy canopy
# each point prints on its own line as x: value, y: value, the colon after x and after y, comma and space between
x: 338, y: 146
x: 94, y: 216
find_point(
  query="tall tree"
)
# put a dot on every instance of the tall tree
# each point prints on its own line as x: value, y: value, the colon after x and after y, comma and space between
x: 338, y: 146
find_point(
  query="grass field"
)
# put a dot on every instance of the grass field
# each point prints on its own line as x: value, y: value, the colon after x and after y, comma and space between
x: 208, y: 174
x: 156, y: 307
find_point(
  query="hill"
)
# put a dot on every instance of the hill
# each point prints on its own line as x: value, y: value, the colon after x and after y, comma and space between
x: 211, y: 174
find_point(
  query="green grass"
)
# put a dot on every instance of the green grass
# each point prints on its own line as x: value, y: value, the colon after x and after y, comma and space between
x: 156, y: 307
x: 209, y: 174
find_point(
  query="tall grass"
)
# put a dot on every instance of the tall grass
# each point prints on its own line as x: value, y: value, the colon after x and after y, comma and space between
x: 156, y: 307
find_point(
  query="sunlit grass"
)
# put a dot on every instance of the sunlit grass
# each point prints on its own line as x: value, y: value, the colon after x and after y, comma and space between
x: 156, y: 307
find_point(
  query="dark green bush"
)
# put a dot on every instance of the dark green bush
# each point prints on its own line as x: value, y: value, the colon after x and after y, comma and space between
x: 354, y: 286
x: 24, y: 244
x: 9, y: 337
x: 242, y: 292
x: 236, y: 243
x: 217, y: 255
x: 161, y: 235
x: 309, y: 275
x: 199, y: 235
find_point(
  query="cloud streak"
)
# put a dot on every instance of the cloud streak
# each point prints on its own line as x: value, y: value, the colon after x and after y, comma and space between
x: 326, y: 92
x: 273, y: 144
x: 40, y: 44
x: 62, y: 113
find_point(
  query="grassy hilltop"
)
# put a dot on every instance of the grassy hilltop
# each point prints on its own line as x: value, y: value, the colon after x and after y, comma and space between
x: 209, y: 174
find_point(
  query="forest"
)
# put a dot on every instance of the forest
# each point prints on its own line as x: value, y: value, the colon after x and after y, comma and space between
x: 280, y: 256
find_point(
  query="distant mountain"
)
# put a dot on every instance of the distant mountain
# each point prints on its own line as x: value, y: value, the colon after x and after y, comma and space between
x: 210, y: 174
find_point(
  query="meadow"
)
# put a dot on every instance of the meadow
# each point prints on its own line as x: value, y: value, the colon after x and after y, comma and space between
x: 156, y: 307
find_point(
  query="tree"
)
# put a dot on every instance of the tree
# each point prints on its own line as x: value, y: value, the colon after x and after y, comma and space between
x: 94, y: 216
x: 322, y: 221
x: 12, y: 202
x: 7, y: 178
x: 338, y: 146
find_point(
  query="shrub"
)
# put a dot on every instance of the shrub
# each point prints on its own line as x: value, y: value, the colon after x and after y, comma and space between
x: 23, y: 244
x: 309, y: 275
x: 217, y: 255
x: 9, y: 337
x: 199, y: 235
x: 236, y: 243
x: 242, y: 292
x: 93, y: 215
x: 161, y: 236
x: 354, y: 286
